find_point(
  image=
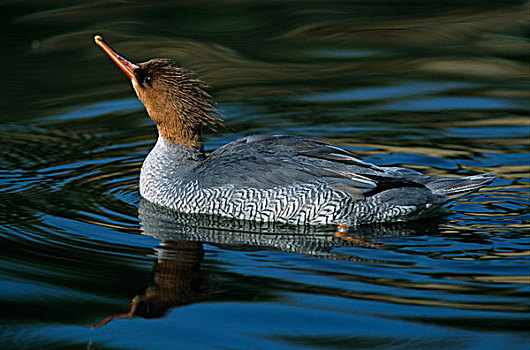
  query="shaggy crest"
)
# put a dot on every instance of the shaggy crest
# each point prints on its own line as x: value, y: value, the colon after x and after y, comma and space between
x: 176, y: 100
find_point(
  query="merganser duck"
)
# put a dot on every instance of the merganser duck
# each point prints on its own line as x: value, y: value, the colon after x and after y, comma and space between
x: 272, y: 178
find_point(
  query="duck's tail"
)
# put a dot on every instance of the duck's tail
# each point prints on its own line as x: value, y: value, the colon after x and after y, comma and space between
x: 455, y: 187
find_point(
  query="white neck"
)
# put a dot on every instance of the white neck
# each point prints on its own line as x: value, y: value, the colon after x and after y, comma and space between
x: 165, y: 167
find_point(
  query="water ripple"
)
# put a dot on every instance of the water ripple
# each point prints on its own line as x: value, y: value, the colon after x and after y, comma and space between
x: 437, y: 87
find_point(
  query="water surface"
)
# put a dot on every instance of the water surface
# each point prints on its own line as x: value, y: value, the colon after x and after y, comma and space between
x: 441, y: 88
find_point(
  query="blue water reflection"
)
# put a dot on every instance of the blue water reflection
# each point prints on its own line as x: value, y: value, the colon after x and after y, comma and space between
x: 404, y: 89
x: 436, y: 87
x: 445, y: 103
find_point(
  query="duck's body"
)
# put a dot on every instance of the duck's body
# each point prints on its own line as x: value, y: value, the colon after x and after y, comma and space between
x: 291, y: 180
x: 274, y: 178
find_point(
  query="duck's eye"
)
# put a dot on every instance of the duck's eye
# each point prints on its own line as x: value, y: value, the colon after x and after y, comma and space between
x: 148, y: 80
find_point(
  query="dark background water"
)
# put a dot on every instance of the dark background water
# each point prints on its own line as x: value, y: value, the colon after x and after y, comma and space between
x: 438, y: 87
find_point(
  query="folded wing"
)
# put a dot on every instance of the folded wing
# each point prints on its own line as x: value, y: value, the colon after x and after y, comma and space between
x: 270, y: 161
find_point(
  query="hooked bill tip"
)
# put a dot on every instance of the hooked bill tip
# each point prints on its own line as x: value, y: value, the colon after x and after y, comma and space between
x: 128, y: 67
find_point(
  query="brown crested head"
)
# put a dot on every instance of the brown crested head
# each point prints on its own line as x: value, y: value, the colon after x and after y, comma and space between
x: 174, y: 98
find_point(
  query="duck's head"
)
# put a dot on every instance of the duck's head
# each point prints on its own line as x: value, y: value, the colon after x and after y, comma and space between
x: 174, y: 98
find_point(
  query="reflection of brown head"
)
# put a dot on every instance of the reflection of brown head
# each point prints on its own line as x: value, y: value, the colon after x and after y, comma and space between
x: 177, y: 282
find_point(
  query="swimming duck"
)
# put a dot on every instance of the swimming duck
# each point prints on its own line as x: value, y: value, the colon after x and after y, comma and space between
x: 272, y: 178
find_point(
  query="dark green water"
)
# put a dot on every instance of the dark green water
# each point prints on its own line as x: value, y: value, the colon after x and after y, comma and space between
x: 442, y: 88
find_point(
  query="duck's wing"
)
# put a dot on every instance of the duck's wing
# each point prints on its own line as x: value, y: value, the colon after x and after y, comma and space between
x: 270, y: 161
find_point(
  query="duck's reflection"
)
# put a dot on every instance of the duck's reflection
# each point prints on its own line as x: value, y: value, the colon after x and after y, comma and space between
x: 178, y: 279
